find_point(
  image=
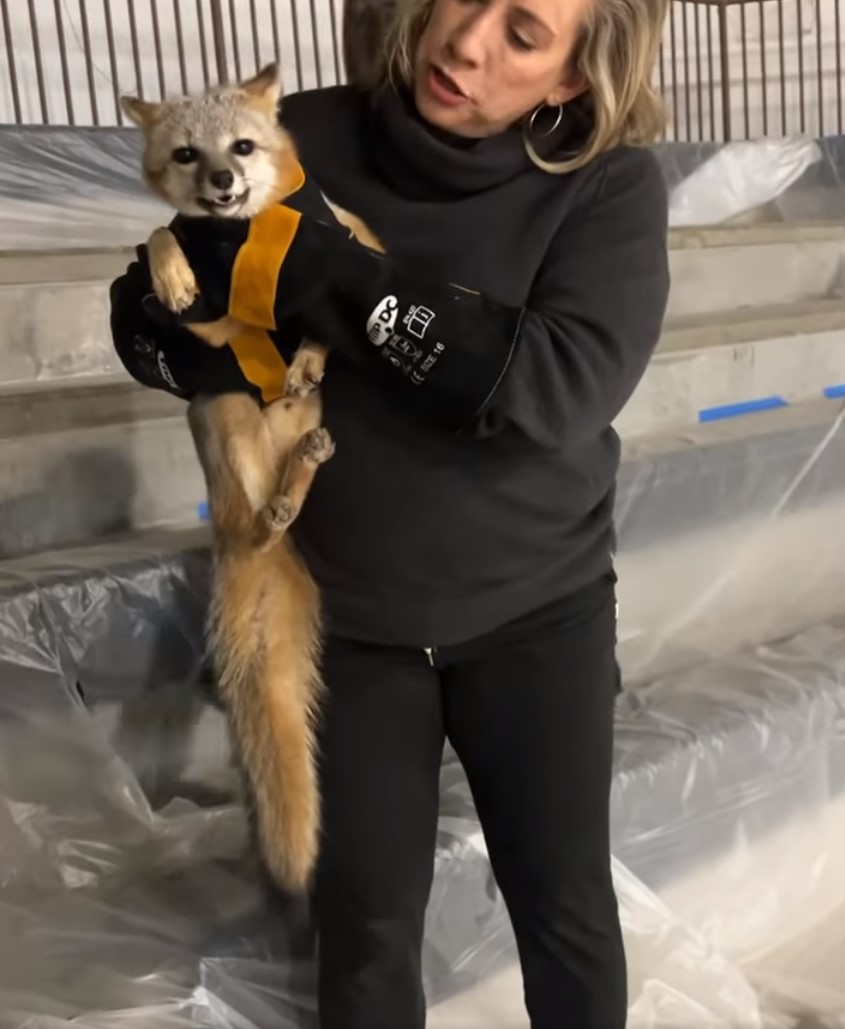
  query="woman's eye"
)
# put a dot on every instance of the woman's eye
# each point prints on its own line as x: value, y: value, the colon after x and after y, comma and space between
x: 520, y: 42
x: 185, y: 155
x: 243, y: 147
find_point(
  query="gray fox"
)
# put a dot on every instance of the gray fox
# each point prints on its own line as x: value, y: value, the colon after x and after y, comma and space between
x: 223, y: 155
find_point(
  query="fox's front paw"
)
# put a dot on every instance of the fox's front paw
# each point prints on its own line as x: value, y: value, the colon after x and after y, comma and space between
x: 317, y: 446
x: 305, y: 373
x: 174, y: 284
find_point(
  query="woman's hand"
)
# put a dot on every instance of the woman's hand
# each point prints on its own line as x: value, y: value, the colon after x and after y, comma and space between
x: 157, y: 351
x: 441, y: 349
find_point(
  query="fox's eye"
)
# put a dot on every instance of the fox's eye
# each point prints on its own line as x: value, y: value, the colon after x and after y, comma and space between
x: 185, y: 155
x: 243, y: 147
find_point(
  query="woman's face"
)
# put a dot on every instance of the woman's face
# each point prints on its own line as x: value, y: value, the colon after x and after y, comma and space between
x: 481, y: 65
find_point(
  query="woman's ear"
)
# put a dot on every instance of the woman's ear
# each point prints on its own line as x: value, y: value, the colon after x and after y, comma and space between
x: 573, y: 84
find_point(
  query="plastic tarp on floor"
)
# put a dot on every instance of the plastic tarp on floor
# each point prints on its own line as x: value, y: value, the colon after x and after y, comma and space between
x: 127, y: 895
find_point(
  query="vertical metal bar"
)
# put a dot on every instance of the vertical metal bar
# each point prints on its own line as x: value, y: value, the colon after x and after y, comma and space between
x: 838, y: 33
x: 725, y: 72
x: 180, y: 46
x: 39, y: 64
x: 782, y: 52
x: 60, y: 32
x: 802, y: 117
x: 335, y: 41
x: 136, y: 49
x: 115, y: 83
x: 10, y: 61
x: 764, y: 81
x: 698, y: 83
x: 236, y: 44
x: 711, y: 85
x: 674, y: 47
x: 746, y: 102
x: 89, y: 61
x: 274, y: 23
x: 256, y: 46
x: 819, y: 68
x: 687, y: 91
x: 219, y: 36
x: 162, y: 86
x: 259, y: 60
x: 297, y: 45
x: 315, y: 36
x: 206, y: 75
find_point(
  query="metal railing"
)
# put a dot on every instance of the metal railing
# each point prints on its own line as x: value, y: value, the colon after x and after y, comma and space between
x: 69, y: 61
x: 742, y: 68
x: 728, y: 68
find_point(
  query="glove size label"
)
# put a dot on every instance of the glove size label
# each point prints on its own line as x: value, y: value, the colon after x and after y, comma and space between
x: 413, y: 358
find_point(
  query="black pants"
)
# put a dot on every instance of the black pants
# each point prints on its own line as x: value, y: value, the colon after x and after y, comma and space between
x: 529, y: 712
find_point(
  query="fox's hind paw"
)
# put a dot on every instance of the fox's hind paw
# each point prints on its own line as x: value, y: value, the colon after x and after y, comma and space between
x: 317, y: 446
x: 273, y: 521
x: 279, y: 512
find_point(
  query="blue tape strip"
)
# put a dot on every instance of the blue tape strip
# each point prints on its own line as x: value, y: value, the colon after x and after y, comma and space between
x: 834, y: 392
x: 203, y: 511
x: 716, y: 414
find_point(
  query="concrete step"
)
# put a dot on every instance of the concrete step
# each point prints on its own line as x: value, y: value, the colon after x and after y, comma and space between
x: 81, y: 463
x: 54, y: 304
x: 54, y: 314
x: 728, y: 363
x: 728, y: 267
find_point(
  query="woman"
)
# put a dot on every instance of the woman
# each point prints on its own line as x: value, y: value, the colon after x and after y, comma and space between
x: 462, y: 535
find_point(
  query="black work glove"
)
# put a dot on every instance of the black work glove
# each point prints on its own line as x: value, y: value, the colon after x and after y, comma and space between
x: 441, y: 350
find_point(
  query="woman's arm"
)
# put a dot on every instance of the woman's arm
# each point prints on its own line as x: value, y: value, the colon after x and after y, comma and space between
x: 595, y: 313
x: 561, y: 367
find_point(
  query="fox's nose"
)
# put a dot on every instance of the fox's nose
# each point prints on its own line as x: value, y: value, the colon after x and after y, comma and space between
x: 222, y: 179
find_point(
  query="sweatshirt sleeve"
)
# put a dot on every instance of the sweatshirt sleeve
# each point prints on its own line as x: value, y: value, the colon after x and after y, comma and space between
x: 557, y: 370
x: 595, y: 312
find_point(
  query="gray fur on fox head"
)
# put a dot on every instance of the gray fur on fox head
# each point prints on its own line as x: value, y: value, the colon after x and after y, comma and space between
x: 221, y: 153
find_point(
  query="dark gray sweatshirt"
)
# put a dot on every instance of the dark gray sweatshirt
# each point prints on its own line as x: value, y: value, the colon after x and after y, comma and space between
x: 421, y: 538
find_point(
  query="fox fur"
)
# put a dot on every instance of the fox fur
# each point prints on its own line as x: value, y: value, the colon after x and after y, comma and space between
x: 264, y: 624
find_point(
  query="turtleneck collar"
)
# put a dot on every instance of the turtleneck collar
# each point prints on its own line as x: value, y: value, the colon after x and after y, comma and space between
x: 423, y: 163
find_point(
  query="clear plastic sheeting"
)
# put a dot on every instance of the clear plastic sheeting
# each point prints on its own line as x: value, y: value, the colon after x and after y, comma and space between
x: 128, y: 895
x: 740, y: 177
x: 729, y: 533
x: 70, y: 188
x: 790, y: 180
x: 65, y: 189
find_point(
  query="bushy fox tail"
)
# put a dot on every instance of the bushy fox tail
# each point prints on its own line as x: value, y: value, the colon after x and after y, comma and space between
x: 269, y: 682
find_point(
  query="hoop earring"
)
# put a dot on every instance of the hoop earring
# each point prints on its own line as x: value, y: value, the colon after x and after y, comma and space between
x: 555, y: 126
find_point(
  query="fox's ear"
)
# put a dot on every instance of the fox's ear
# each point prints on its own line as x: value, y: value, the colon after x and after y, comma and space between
x: 265, y: 87
x: 142, y: 112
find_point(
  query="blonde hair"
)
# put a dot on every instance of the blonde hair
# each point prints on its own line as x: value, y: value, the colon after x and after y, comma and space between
x: 615, y: 53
